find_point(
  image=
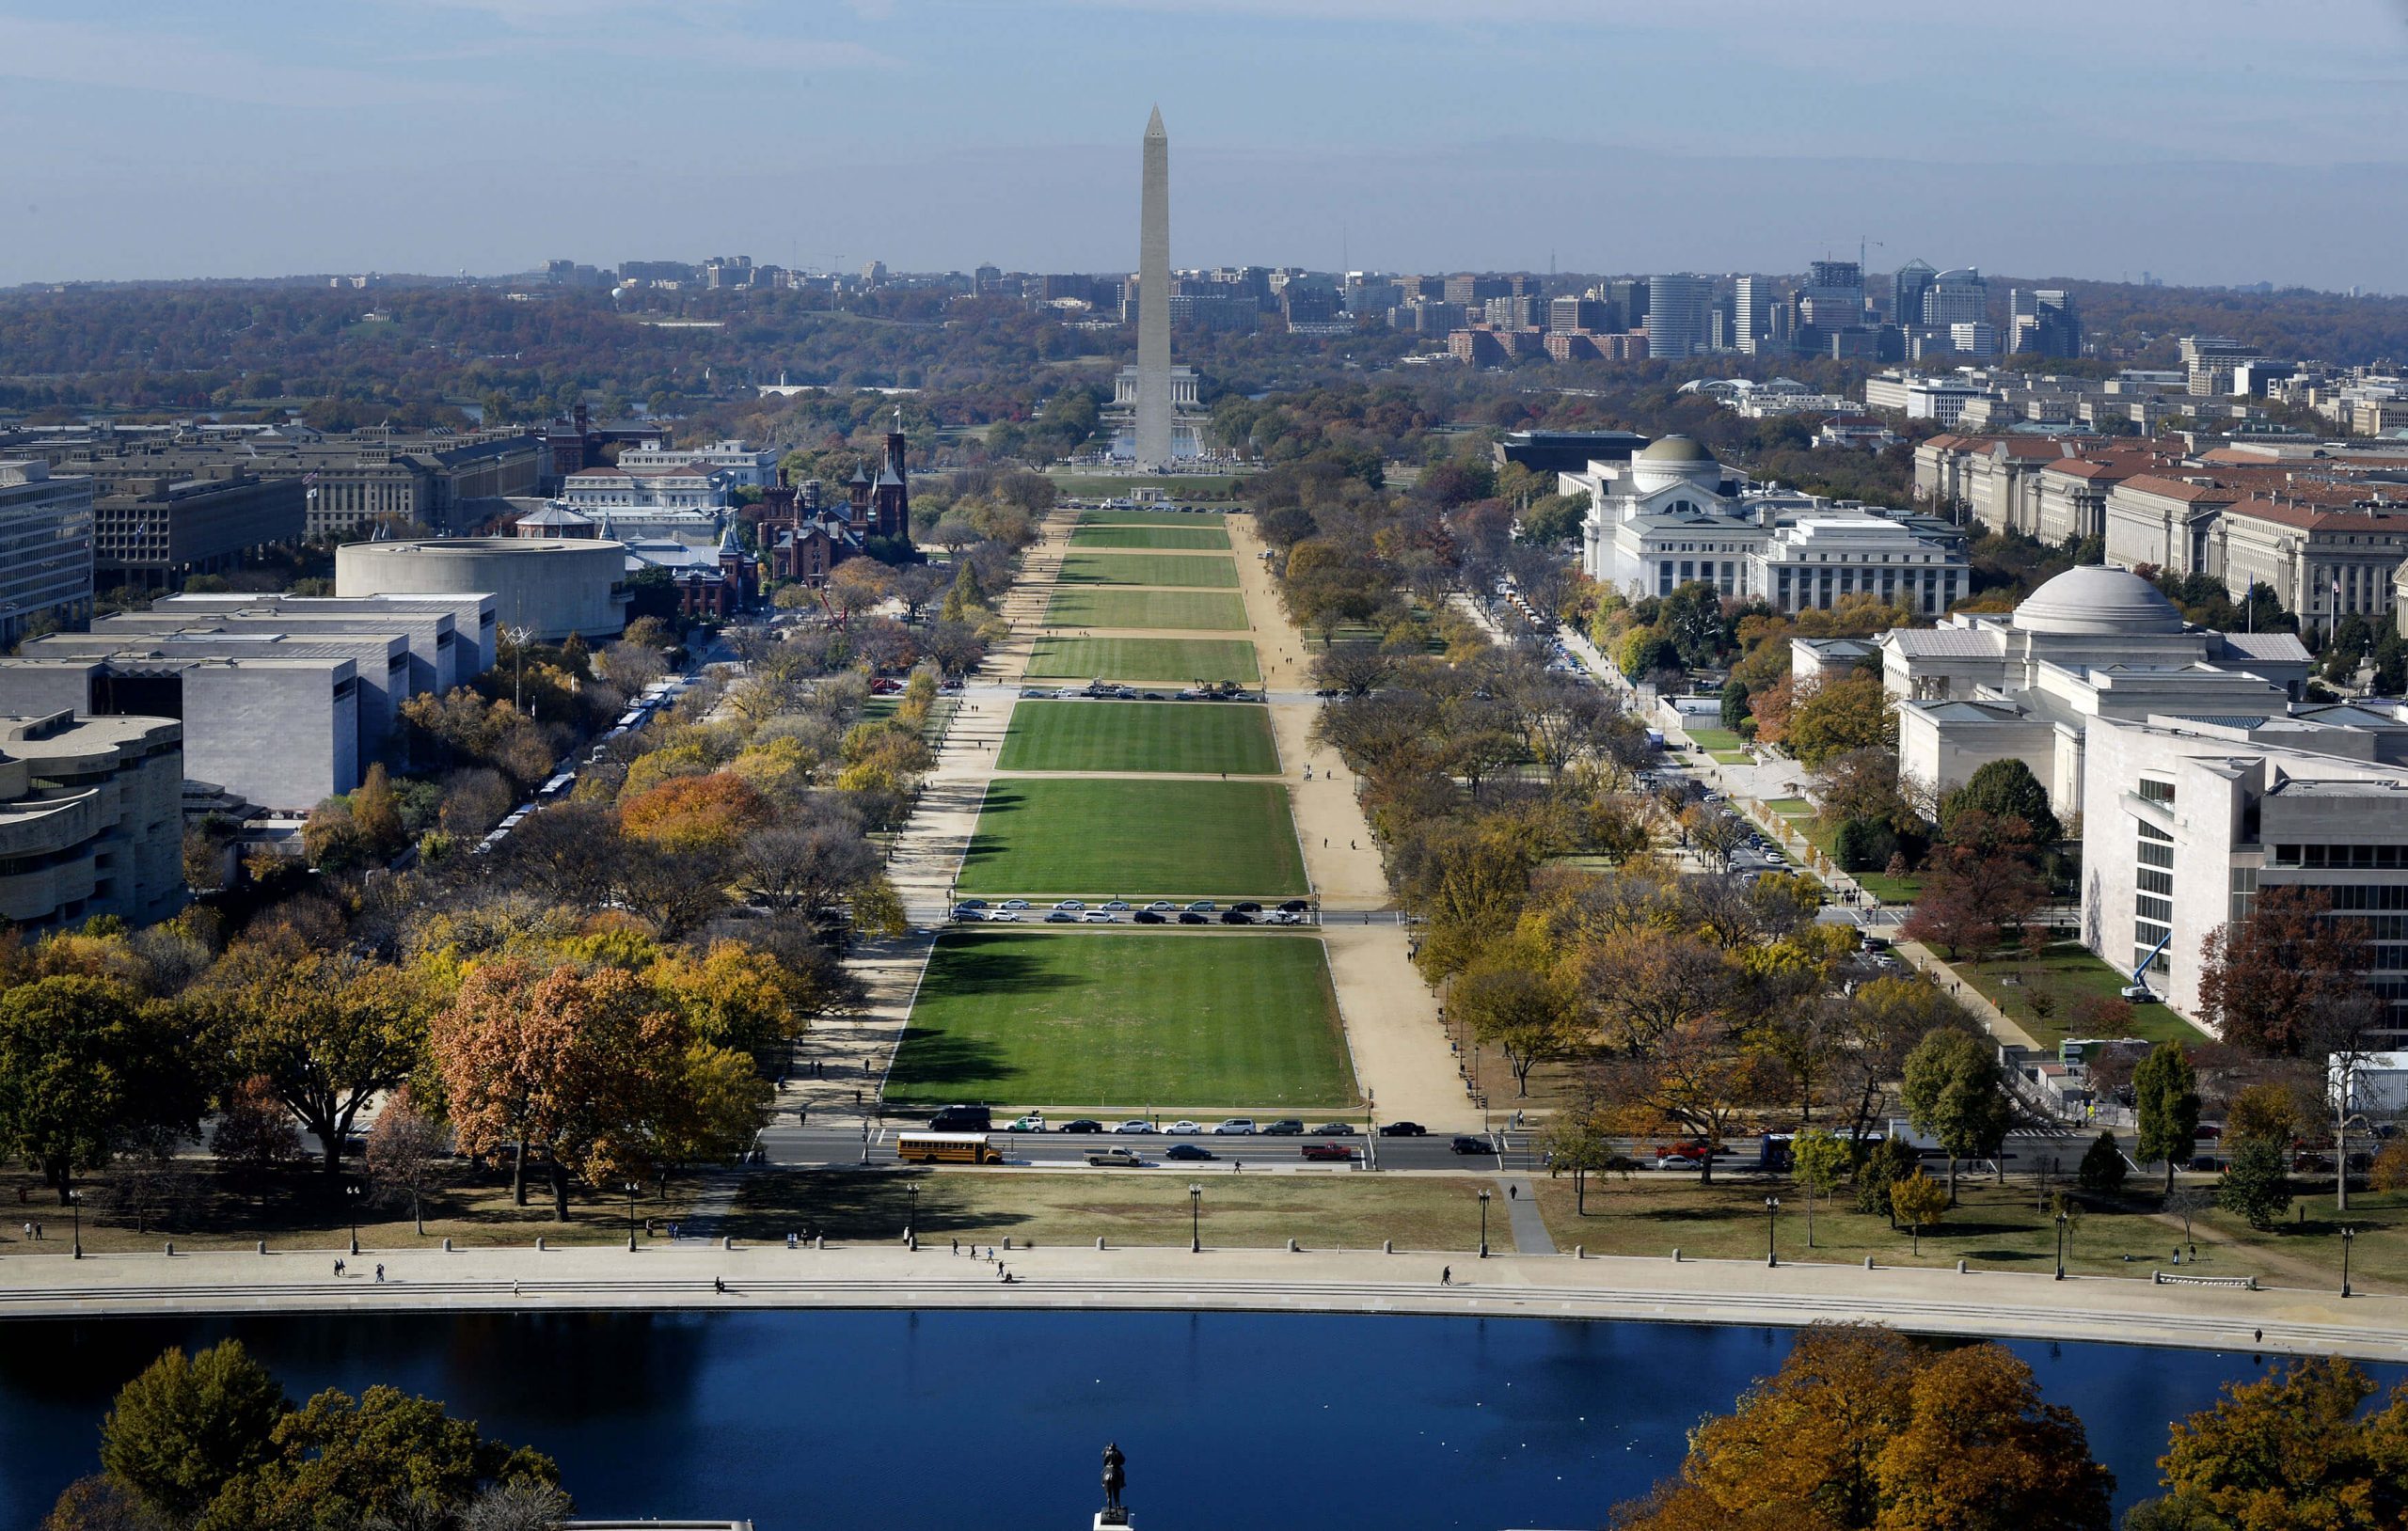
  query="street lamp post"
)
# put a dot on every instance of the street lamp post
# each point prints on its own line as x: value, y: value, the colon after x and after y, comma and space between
x: 1772, y: 1214
x: 631, y: 1188
x: 1195, y: 1218
x: 1484, y: 1225
x: 351, y: 1200
x: 2061, y: 1246
x: 911, y: 1214
x: 2349, y: 1236
x: 75, y: 1205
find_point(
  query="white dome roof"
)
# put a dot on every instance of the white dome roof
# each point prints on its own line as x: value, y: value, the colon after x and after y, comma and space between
x: 2100, y: 602
x: 1675, y: 449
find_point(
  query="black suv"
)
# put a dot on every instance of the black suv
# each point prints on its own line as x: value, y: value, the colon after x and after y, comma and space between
x: 962, y: 1119
x: 1286, y: 1127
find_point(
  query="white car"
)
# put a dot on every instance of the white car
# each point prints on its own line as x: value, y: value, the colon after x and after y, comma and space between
x: 1135, y: 1127
x: 1013, y: 904
x: 1102, y: 917
x: 1070, y: 906
x: 1162, y: 905
x: 1004, y: 917
x: 1181, y: 1129
x: 1236, y: 1126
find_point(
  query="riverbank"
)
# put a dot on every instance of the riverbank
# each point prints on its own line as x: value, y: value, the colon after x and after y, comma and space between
x: 704, y: 1277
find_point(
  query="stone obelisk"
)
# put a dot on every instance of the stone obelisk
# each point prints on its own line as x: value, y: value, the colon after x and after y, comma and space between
x: 1153, y: 302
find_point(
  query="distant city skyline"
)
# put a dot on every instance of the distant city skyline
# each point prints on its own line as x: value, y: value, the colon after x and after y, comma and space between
x: 2198, y: 140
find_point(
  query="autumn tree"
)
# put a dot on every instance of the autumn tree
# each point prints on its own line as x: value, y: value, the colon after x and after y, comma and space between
x: 2262, y: 979
x: 405, y: 1148
x: 1817, y: 1159
x: 1920, y: 1202
x: 1956, y: 1091
x: 253, y: 1136
x: 83, y: 1063
x: 327, y: 1031
x: 1851, y: 712
x: 2286, y: 1452
x: 2266, y: 1111
x: 1861, y: 1430
x: 696, y: 815
x: 1531, y: 1016
x: 189, y: 1425
x: 2165, y: 1093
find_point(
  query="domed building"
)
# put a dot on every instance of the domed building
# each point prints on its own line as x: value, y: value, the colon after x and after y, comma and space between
x: 1671, y: 516
x: 2093, y: 643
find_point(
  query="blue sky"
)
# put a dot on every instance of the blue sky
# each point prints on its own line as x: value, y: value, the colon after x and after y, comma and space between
x: 2206, y: 140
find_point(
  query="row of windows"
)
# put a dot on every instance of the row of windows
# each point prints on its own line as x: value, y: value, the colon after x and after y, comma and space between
x: 2152, y: 854
x: 2159, y: 909
x: 2155, y: 882
x: 2370, y: 858
x: 2391, y: 895
x: 2157, y: 792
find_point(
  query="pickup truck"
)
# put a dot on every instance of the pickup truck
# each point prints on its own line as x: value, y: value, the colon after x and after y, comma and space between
x: 1328, y: 1150
x: 1106, y: 1158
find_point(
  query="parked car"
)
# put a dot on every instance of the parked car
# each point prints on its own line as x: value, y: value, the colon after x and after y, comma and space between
x: 1286, y: 1127
x: 1163, y: 905
x: 1013, y: 904
x: 1281, y: 917
x: 1335, y: 1129
x: 1404, y: 1129
x: 1181, y: 1129
x: 1188, y: 1151
x: 1080, y: 1123
x: 970, y: 917
x: 1004, y: 917
x: 1032, y: 1123
x: 1118, y: 906
x: 1296, y: 905
x: 1680, y: 1161
x: 1241, y: 1127
x: 1135, y: 1124
x: 1105, y: 1158
x: 1465, y: 1143
x: 1102, y: 917
x: 1148, y: 917
x: 1328, y: 1150
x: 971, y: 904
x: 1189, y: 917
x: 1202, y: 905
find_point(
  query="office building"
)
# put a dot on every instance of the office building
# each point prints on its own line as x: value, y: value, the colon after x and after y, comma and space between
x: 154, y: 529
x: 1974, y: 338
x: 45, y: 548
x: 1908, y: 285
x: 1575, y: 316
x: 2208, y: 362
x: 1956, y: 297
x: 1677, y: 309
x: 2046, y: 322
x: 90, y: 819
x: 744, y: 466
x: 2189, y: 819
x: 1753, y: 305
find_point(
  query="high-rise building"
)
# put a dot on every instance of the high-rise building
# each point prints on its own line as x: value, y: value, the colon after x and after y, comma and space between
x: 2208, y: 360
x: 1974, y: 337
x: 45, y: 548
x: 1752, y: 303
x: 1833, y: 296
x: 1908, y: 285
x: 1567, y: 316
x: 2046, y: 322
x: 1677, y: 314
x: 1629, y: 298
x: 1956, y: 297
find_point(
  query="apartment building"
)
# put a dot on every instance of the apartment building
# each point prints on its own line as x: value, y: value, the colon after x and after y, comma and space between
x: 45, y: 547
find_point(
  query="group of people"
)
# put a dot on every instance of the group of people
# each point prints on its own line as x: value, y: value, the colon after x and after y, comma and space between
x: 343, y: 1269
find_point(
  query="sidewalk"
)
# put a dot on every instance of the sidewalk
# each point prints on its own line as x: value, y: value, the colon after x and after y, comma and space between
x: 2109, y: 1310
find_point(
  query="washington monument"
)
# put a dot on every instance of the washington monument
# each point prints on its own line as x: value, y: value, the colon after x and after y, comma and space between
x: 1153, y: 302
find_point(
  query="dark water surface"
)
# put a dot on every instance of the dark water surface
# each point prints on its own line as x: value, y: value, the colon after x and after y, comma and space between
x: 837, y: 1421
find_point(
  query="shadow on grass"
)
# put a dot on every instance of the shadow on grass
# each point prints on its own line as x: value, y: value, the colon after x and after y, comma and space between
x: 1699, y: 1214
x: 990, y: 964
x: 843, y: 1204
x: 928, y: 1058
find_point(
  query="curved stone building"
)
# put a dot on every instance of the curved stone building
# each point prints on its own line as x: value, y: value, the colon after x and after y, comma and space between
x: 550, y: 587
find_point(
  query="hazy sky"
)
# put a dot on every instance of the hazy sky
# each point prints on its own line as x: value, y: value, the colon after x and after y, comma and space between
x: 2204, y: 140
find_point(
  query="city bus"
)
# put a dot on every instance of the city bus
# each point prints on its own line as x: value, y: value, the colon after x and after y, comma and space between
x: 945, y: 1149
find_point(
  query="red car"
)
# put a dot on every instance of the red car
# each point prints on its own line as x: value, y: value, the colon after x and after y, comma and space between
x: 1337, y: 1151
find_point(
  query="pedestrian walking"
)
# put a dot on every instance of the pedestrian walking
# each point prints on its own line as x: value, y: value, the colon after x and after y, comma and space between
x: 1512, y: 1193
x: 29, y: 1228
x: 380, y: 1275
x: 2258, y: 1335
x: 39, y: 1237
x: 957, y: 1246
x: 718, y: 1285
x: 514, y: 1288
x: 338, y: 1270
x: 1446, y: 1275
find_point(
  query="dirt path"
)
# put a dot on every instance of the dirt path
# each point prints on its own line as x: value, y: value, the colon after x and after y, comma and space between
x: 1400, y: 1051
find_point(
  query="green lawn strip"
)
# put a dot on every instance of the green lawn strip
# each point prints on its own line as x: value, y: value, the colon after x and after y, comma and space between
x: 1888, y: 890
x: 1714, y: 739
x: 1180, y: 659
x: 1199, y: 539
x: 2066, y: 976
x: 1150, y: 568
x: 1130, y: 838
x: 1195, y: 737
x: 1992, y: 1229
x: 1732, y: 757
x: 1199, y: 489
x: 1027, y: 1020
x: 877, y: 709
x: 1148, y: 518
x: 1205, y: 611
x: 1124, y: 1207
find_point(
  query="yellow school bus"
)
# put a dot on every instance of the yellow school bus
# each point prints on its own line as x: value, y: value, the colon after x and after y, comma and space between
x: 945, y: 1149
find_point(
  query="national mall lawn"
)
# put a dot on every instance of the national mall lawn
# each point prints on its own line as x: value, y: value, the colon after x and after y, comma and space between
x: 1133, y: 839
x: 1124, y: 1019
x: 1203, y: 738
